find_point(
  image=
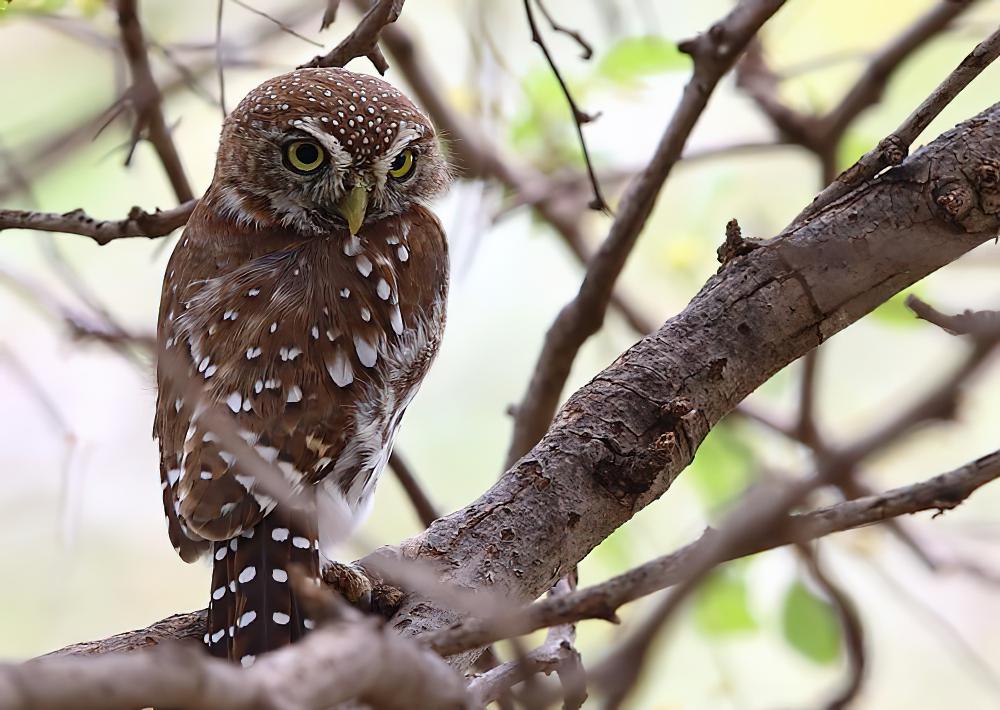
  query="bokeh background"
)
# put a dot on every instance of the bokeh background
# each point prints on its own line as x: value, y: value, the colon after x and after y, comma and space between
x: 83, y: 550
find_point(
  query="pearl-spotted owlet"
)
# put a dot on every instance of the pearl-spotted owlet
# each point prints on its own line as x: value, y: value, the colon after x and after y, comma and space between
x: 305, y: 300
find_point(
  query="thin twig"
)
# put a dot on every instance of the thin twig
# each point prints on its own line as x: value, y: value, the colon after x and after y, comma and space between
x: 284, y: 28
x: 580, y: 117
x: 139, y: 223
x: 220, y: 69
x: 850, y: 623
x: 586, y: 50
x: 363, y: 40
x: 408, y: 479
x: 146, y: 98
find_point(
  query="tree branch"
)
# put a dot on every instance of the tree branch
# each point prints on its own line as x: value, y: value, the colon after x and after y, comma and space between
x: 342, y: 662
x: 139, y: 223
x: 714, y: 54
x: 601, y: 601
x: 363, y: 40
x: 147, y: 100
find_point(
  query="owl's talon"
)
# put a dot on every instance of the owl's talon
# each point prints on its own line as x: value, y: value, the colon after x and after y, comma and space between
x: 361, y: 590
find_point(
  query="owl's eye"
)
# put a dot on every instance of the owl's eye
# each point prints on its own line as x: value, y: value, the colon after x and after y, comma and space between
x: 304, y: 157
x: 402, y: 165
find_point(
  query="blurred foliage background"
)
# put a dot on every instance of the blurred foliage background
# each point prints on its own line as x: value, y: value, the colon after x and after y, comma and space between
x: 84, y: 553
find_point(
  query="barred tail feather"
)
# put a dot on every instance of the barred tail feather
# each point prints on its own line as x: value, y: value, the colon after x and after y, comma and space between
x: 253, y: 610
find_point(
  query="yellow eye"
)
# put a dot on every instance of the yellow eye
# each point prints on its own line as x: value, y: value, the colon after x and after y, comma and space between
x: 304, y: 156
x: 402, y: 165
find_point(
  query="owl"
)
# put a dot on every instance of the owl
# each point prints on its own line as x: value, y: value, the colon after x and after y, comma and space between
x: 305, y: 300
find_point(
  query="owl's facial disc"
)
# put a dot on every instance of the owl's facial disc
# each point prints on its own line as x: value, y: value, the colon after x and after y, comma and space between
x: 324, y: 150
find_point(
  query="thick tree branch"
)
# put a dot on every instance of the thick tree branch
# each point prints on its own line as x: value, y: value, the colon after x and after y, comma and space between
x: 714, y: 54
x: 601, y: 601
x: 344, y: 662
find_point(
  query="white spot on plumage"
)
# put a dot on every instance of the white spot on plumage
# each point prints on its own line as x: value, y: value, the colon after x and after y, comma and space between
x: 366, y: 315
x: 315, y: 332
x: 279, y: 575
x: 383, y: 290
x: 217, y: 636
x: 309, y: 623
x: 229, y: 458
x: 366, y: 351
x: 294, y: 394
x: 219, y: 593
x: 221, y: 552
x: 247, y: 661
x: 396, y: 320
x: 364, y: 265
x: 230, y: 315
x: 345, y: 292
x: 173, y: 475
x: 268, y: 453
x: 246, y: 620
x: 234, y: 401
x: 248, y: 573
x: 301, y: 542
x: 206, y: 475
x: 258, y: 386
x: 274, y: 326
x: 281, y: 618
x: 340, y: 369
x: 204, y: 363
x: 279, y: 534
x: 253, y: 292
x: 253, y: 352
x: 352, y: 247
x: 245, y: 481
x: 403, y: 253
x: 272, y: 384
x: 210, y: 370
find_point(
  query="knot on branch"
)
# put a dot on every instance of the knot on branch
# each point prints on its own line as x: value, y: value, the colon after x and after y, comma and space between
x: 735, y: 245
x: 988, y: 183
x: 955, y: 199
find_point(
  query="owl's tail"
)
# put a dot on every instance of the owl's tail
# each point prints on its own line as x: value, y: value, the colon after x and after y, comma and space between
x: 253, y: 610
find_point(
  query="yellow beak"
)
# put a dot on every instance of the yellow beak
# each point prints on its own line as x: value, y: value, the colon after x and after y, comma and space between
x: 353, y: 208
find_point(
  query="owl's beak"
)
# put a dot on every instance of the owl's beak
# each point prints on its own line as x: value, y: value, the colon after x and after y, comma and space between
x: 353, y: 207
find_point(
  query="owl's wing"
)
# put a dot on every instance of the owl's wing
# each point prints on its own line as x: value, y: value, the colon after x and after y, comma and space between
x: 284, y: 373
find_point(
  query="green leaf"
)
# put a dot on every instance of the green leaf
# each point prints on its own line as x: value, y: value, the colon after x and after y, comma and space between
x: 636, y: 57
x: 810, y: 625
x: 894, y: 311
x: 722, y: 467
x: 720, y: 604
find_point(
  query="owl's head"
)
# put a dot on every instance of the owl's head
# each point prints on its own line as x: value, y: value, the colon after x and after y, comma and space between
x: 317, y: 149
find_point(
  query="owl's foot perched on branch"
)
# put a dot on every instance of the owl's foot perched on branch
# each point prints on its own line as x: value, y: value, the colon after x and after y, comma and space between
x: 361, y: 589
